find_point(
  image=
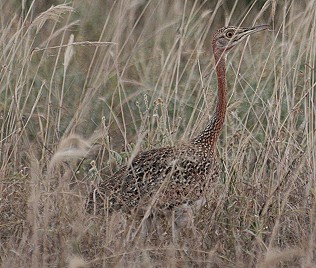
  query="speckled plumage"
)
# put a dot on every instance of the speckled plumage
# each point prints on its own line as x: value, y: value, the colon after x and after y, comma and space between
x: 173, y: 175
x: 183, y: 171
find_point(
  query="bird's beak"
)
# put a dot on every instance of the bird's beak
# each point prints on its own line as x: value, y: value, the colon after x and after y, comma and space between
x: 251, y: 30
x: 259, y: 28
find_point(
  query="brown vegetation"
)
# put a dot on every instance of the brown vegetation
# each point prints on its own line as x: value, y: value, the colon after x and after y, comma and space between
x: 84, y: 86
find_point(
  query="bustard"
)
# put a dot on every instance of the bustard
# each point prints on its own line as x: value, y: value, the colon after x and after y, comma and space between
x: 177, y: 175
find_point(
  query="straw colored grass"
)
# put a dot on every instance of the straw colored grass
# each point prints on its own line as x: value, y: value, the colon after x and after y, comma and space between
x: 86, y: 85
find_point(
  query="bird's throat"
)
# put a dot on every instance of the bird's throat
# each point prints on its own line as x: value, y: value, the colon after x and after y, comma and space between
x: 220, y: 112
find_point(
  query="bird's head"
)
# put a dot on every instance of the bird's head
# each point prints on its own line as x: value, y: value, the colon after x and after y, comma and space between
x: 226, y: 38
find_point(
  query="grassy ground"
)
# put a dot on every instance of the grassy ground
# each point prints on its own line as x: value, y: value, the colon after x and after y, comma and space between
x: 85, y: 84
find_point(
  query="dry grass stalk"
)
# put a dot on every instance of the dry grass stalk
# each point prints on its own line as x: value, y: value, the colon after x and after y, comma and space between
x: 154, y: 87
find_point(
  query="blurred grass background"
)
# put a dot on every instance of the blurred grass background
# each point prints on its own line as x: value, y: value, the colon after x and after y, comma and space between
x: 94, y: 80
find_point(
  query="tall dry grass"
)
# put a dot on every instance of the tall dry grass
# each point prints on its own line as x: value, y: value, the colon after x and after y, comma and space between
x: 85, y: 85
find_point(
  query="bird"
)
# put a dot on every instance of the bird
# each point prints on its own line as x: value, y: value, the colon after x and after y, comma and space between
x: 179, y: 175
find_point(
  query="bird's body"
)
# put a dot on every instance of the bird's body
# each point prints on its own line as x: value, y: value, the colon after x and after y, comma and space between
x: 176, y: 175
x: 171, y: 176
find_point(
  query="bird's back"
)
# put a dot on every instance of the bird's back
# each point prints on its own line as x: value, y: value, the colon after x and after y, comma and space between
x: 171, y: 175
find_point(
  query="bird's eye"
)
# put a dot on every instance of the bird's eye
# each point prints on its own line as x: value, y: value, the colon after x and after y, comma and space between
x: 230, y: 34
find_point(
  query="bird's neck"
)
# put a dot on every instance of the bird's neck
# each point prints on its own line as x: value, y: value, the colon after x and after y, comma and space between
x: 209, y: 135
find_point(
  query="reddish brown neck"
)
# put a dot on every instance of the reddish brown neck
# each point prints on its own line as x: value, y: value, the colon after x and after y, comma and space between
x: 210, y: 134
x: 221, y: 105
